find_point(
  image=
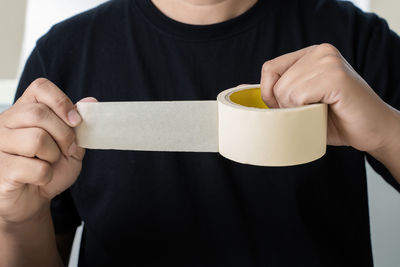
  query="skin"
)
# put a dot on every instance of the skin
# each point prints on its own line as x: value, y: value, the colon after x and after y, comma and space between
x: 39, y: 158
x: 203, y: 12
x: 357, y: 116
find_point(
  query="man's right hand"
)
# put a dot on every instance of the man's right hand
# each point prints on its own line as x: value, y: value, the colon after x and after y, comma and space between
x: 38, y: 154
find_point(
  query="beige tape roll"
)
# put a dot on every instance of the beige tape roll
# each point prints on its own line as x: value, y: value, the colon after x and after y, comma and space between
x: 238, y: 125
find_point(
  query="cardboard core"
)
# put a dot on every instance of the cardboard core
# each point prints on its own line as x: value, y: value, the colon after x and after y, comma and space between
x: 248, y: 98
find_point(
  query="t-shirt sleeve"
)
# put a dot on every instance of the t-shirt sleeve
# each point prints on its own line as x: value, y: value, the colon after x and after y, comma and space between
x: 34, y: 68
x: 378, y: 55
x: 63, y: 210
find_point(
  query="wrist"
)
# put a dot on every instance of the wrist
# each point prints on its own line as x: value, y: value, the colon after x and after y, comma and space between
x: 42, y: 216
x: 22, y: 243
x: 390, y: 133
x: 389, y: 151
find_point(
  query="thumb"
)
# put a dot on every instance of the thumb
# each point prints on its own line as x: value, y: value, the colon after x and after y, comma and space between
x: 88, y: 99
x: 80, y: 152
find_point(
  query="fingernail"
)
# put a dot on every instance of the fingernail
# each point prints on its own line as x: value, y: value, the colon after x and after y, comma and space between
x: 73, y: 117
x: 72, y: 149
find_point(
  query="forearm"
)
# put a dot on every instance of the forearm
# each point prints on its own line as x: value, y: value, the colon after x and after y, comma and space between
x: 389, y: 155
x: 30, y: 243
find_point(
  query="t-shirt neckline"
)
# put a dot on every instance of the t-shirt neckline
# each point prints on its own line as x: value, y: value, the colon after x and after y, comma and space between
x: 200, y: 32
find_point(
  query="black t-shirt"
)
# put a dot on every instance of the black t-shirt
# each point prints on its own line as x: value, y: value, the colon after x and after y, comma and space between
x: 200, y: 209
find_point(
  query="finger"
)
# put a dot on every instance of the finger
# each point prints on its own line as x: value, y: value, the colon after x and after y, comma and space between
x: 88, y: 99
x: 290, y: 84
x: 18, y: 170
x: 29, y: 142
x: 314, y: 90
x: 45, y: 92
x: 38, y: 115
x: 272, y: 71
x: 80, y: 152
x: 268, y: 80
x: 322, y: 59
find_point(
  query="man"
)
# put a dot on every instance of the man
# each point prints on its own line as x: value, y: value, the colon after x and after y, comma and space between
x: 199, y: 209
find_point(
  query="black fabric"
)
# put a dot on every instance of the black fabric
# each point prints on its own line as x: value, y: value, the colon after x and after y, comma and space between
x: 200, y: 209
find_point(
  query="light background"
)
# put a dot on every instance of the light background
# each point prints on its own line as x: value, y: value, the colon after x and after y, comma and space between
x: 23, y: 22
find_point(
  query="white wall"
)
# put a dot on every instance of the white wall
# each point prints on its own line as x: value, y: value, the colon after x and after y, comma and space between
x: 363, y: 4
x: 12, y: 19
x: 12, y: 15
x: 22, y: 22
x: 42, y: 14
x: 389, y: 9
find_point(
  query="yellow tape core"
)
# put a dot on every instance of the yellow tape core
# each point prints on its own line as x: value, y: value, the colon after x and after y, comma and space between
x: 248, y: 98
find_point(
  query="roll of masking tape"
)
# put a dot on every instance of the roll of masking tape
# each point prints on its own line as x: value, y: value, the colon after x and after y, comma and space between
x: 238, y: 125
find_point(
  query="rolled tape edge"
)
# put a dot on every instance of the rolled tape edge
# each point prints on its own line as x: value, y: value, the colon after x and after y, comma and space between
x: 270, y: 137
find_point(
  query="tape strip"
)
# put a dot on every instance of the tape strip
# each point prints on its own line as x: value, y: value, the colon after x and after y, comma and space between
x: 238, y: 125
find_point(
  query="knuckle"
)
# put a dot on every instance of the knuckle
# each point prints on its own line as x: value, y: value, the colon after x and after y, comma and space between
x: 266, y: 67
x: 278, y: 91
x: 282, y: 93
x: 293, y: 97
x: 62, y: 101
x: 332, y: 60
x: 39, y: 112
x: 270, y: 76
x: 327, y: 48
x: 10, y: 175
x: 68, y: 136
x: 8, y: 171
x: 40, y: 138
x: 265, y: 95
x: 55, y: 157
x: 39, y: 83
x: 298, y: 98
x: 44, y: 172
